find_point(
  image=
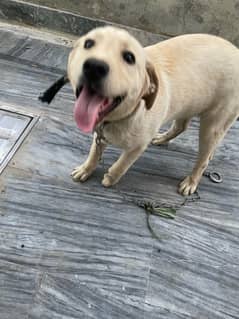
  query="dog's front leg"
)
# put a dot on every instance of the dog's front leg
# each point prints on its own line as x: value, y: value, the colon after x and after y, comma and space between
x: 120, y: 167
x: 82, y: 172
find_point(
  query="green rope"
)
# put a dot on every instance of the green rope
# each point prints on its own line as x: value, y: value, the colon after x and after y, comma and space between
x: 161, y: 210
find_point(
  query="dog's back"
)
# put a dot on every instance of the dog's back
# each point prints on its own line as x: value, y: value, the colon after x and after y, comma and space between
x: 200, y: 69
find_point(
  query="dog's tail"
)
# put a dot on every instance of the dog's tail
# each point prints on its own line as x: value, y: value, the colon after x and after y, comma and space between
x: 49, y: 94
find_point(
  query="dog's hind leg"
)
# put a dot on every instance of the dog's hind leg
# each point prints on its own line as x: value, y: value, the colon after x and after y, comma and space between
x: 177, y: 128
x: 82, y: 172
x: 213, y: 128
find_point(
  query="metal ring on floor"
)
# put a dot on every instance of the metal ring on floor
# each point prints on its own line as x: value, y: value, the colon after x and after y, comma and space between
x: 215, y: 177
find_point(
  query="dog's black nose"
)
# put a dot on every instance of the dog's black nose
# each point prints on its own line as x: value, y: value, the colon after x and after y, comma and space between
x: 95, y: 70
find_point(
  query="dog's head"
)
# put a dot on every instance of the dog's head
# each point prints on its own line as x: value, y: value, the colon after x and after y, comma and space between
x: 110, y: 74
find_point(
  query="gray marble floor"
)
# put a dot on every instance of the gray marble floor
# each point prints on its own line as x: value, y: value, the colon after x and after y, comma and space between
x: 70, y: 250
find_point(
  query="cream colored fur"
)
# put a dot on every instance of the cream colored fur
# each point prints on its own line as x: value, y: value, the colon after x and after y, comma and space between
x: 174, y: 80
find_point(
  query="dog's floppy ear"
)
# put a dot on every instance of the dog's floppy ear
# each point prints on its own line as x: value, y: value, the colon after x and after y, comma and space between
x: 151, y: 86
x: 49, y: 94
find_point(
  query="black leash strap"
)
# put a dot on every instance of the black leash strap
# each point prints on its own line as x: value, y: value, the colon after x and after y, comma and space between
x: 50, y: 93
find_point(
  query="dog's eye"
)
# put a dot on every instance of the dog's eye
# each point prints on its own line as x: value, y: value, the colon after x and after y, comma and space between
x: 128, y: 57
x: 89, y: 43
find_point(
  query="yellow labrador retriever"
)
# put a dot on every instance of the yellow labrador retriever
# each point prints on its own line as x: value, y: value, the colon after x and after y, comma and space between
x: 125, y: 93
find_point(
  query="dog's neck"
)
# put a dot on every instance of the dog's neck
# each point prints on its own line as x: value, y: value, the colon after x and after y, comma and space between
x: 137, y: 105
x: 106, y: 124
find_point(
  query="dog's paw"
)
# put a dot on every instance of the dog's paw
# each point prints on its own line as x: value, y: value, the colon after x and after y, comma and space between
x: 159, y: 139
x: 81, y: 173
x: 188, y: 186
x: 109, y: 180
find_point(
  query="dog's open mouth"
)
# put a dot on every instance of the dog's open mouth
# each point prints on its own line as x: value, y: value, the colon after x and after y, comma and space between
x: 91, y: 108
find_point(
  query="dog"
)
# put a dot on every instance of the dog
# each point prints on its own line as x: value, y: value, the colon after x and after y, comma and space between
x: 125, y: 93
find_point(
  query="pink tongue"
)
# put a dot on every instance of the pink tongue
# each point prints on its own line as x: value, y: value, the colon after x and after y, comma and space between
x: 87, y: 108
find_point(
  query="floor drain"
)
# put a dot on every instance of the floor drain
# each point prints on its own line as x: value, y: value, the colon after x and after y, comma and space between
x: 14, y: 127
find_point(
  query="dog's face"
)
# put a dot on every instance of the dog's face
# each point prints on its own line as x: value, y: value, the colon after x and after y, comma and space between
x: 108, y: 72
